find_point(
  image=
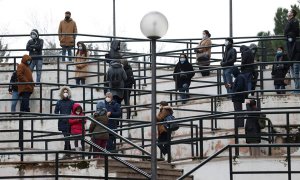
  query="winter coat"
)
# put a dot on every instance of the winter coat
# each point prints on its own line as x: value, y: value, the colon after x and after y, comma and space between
x: 81, y: 67
x: 24, y: 74
x: 13, y: 79
x: 116, y: 112
x: 114, y: 50
x: 247, y: 58
x: 181, y: 79
x: 252, y: 127
x: 279, y: 70
x: 68, y: 27
x: 204, y: 51
x: 239, y: 85
x: 229, y: 56
x: 35, y: 46
x: 292, y: 28
x: 163, y: 113
x: 94, y: 128
x: 64, y: 106
x: 129, y: 82
x: 76, y: 124
x: 116, y: 73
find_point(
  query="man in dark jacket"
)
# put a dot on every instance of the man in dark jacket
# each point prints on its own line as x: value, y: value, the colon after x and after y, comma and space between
x: 13, y: 90
x: 113, y: 111
x: 238, y: 86
x: 114, y: 50
x: 64, y: 106
x: 35, y: 48
x: 128, y: 83
x: 247, y: 68
x: 183, y: 80
x: 24, y: 75
x: 229, y: 57
x: 116, y: 76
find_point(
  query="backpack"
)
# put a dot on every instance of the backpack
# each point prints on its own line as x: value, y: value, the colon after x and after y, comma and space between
x: 115, y: 80
x: 170, y: 126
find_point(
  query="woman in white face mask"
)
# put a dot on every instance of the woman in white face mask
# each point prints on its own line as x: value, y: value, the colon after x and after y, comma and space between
x: 81, y: 69
x: 204, y: 53
x: 76, y: 124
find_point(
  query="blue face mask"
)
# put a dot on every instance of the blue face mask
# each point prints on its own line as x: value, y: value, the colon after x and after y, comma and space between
x: 279, y: 53
x: 182, y: 60
x: 28, y: 62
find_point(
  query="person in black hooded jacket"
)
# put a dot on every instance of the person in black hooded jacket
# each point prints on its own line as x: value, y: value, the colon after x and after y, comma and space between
x: 183, y: 80
x: 247, y: 68
x: 35, y: 48
x: 114, y: 50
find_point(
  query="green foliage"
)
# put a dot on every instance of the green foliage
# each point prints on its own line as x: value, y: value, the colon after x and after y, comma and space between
x: 280, y: 20
x: 3, y: 52
x: 51, y: 52
x: 265, y: 47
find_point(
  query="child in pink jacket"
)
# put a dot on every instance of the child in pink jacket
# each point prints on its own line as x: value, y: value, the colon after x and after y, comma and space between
x: 76, y: 124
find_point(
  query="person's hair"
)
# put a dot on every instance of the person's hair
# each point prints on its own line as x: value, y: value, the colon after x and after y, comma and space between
x: 108, y: 94
x: 294, y: 12
x: 83, y: 48
x: 229, y: 40
x: 183, y: 54
x: 68, y: 12
x: 280, y: 47
x: 207, y: 33
x: 163, y: 103
x: 252, y: 103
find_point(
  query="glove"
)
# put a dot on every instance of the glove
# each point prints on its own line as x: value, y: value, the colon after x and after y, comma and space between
x: 185, y: 85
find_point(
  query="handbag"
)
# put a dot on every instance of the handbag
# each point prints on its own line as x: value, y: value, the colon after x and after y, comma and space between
x: 287, y: 80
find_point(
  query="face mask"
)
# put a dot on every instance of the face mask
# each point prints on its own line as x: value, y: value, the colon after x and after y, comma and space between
x: 67, y: 17
x: 28, y: 62
x: 77, y: 112
x: 66, y: 95
x: 182, y: 60
x: 226, y: 43
x: 80, y: 48
x: 33, y: 36
x: 279, y: 53
x: 290, y: 39
x: 204, y: 36
x: 107, y: 99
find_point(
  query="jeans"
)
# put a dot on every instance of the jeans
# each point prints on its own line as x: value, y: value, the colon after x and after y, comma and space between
x: 64, y: 50
x: 295, y: 72
x: 227, y: 77
x: 80, y: 79
x: 14, y: 100
x: 39, y: 65
x: 278, y: 86
x: 25, y: 102
x: 184, y: 89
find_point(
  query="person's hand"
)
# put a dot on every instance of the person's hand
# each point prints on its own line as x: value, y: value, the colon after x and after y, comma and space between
x: 10, y: 92
x: 108, y: 114
x: 247, y: 101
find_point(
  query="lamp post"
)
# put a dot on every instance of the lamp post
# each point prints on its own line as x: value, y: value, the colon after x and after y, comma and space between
x: 154, y: 25
x: 230, y: 19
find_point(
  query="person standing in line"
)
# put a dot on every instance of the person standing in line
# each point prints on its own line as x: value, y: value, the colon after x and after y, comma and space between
x: 76, y: 125
x: 183, y: 80
x: 247, y: 68
x: 13, y: 91
x: 252, y: 128
x: 279, y: 70
x: 129, y: 82
x: 35, y: 48
x: 81, y: 69
x: 64, y: 106
x: 291, y: 32
x: 67, y: 42
x: 255, y: 73
x: 229, y: 57
x: 204, y: 53
x: 113, y: 111
x: 102, y: 135
x: 24, y: 75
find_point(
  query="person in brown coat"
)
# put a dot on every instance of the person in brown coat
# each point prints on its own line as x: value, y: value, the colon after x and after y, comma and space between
x: 67, y: 26
x: 24, y: 75
x: 81, y: 69
x: 164, y: 136
x: 204, y: 52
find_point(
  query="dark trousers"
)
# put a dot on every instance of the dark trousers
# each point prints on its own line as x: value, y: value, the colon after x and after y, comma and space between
x: 127, y: 102
x: 111, y: 143
x: 163, y: 142
x: 78, y: 80
x: 100, y: 142
x: 238, y: 120
x: 25, y: 101
x: 280, y: 86
x: 118, y: 99
x: 204, y: 73
x: 67, y: 141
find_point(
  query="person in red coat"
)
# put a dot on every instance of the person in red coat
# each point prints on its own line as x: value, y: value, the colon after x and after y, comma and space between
x: 76, y: 124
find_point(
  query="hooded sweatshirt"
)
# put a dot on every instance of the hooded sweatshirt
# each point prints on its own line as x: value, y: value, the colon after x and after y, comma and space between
x: 24, y: 74
x: 114, y: 50
x: 239, y: 85
x: 76, y: 124
x: 35, y: 46
x: 116, y: 73
x: 247, y: 58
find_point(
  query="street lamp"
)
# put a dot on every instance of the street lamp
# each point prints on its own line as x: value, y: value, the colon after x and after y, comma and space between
x: 154, y: 25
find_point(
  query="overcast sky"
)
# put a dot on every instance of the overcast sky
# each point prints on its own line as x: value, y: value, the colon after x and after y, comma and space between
x: 187, y: 18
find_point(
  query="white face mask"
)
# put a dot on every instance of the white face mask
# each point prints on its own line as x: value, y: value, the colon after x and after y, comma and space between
x: 204, y: 36
x: 33, y: 36
x: 226, y: 43
x: 107, y: 99
x: 66, y: 95
x: 80, y: 47
x: 77, y: 112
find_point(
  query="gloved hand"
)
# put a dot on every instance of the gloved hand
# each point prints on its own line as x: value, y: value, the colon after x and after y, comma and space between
x: 185, y: 86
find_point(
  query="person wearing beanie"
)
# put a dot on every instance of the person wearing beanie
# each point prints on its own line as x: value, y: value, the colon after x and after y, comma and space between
x: 35, y: 48
x: 67, y: 42
x: 229, y: 57
x: 24, y: 75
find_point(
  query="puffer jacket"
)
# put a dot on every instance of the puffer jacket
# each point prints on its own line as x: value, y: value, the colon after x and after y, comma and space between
x: 247, y: 58
x: 229, y: 57
x: 81, y: 69
x: 163, y: 112
x: 204, y: 49
x: 116, y: 112
x: 35, y: 46
x: 24, y: 74
x: 69, y: 27
x: 116, y: 70
x: 76, y: 124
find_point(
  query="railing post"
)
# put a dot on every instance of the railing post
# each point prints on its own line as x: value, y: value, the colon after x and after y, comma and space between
x: 230, y: 163
x: 31, y: 133
x: 41, y: 97
x: 21, y: 137
x: 192, y: 137
x: 56, y: 166
x: 83, y: 137
x: 106, y: 166
x: 201, y: 138
x: 83, y: 91
x: 67, y: 73
x: 289, y: 162
x: 46, y: 148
